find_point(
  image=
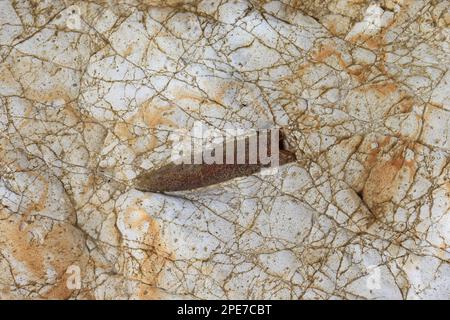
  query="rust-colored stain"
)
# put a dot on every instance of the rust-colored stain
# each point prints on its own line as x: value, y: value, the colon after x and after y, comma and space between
x: 372, y: 158
x: 128, y: 51
x: 382, y: 89
x: 327, y: 51
x: 40, y: 204
x: 139, y: 220
x: 385, y: 177
x: 178, y: 177
x: 151, y: 116
x: 39, y: 256
x: 406, y: 104
x: 360, y: 73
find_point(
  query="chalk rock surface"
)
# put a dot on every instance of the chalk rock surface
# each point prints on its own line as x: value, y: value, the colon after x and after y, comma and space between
x: 90, y: 92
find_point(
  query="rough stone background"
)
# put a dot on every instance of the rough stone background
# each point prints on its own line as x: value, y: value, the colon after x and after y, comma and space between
x: 90, y: 91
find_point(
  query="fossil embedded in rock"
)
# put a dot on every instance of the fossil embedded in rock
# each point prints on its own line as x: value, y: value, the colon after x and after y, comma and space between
x: 187, y: 176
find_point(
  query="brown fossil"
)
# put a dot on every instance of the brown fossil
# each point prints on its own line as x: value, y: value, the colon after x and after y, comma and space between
x: 178, y: 177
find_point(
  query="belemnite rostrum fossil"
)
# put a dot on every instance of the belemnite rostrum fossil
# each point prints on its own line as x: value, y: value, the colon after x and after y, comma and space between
x: 237, y: 157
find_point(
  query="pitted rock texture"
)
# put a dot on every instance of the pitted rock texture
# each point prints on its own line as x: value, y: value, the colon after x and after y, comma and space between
x: 91, y: 90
